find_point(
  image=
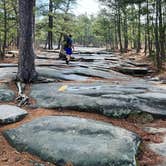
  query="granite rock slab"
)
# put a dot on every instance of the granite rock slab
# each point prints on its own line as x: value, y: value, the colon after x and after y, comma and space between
x: 80, y: 141
x: 104, y: 98
x: 11, y: 114
x: 58, y: 74
x: 90, y: 72
x: 6, y: 94
x: 8, y: 73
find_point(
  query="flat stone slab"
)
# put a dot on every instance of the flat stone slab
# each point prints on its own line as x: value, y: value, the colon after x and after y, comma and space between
x: 80, y: 141
x: 155, y: 130
x: 58, y: 74
x: 13, y: 52
x: 8, y: 73
x: 2, y: 65
x: 89, y: 49
x: 78, y: 73
x: 137, y: 64
x: 90, y: 72
x: 108, y: 99
x: 47, y: 55
x: 11, y: 114
x: 6, y: 94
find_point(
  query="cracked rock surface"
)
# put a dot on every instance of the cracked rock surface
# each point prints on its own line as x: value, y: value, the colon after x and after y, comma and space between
x: 83, y: 142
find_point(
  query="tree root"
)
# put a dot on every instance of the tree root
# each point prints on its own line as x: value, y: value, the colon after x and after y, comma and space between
x: 22, y: 99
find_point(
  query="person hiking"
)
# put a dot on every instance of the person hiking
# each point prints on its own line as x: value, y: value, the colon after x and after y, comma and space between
x: 68, y: 47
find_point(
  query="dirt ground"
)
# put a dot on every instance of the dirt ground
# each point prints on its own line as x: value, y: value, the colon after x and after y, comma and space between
x: 142, y: 58
x: 10, y: 157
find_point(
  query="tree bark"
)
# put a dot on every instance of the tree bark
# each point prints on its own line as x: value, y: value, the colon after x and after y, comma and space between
x: 33, y: 25
x: 5, y: 29
x: 115, y: 35
x: 125, y: 31
x: 148, y: 30
x: 50, y: 25
x: 26, y: 67
x: 158, y: 58
x: 59, y: 41
x: 139, y: 29
x: 145, y: 50
x: 119, y: 29
x: 1, y: 51
x: 161, y: 32
x: 15, y: 9
x: 134, y: 44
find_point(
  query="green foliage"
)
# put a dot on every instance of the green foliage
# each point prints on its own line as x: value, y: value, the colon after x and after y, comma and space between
x: 125, y: 21
x: 8, y: 22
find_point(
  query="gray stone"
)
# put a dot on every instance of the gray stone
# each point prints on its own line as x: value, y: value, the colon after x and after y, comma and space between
x: 79, y: 141
x: 90, y: 72
x: 57, y: 74
x: 155, y: 130
x: 14, y: 53
x: 49, y: 63
x: 2, y: 65
x: 110, y: 100
x: 137, y: 64
x: 154, y: 97
x: 112, y: 58
x: 106, y: 107
x: 8, y: 73
x: 35, y: 163
x: 73, y: 97
x: 154, y: 79
x: 6, y: 94
x: 90, y: 50
x: 154, y: 102
x: 11, y: 114
x: 47, y: 55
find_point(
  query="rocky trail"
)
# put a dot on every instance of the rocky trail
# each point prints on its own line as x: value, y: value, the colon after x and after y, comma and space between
x: 101, y: 109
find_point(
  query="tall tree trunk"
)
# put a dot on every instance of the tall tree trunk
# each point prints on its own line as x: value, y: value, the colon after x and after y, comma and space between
x: 26, y: 67
x: 116, y: 36
x: 148, y: 30
x: 17, y: 38
x: 119, y: 29
x: 15, y: 9
x: 134, y: 46
x: 33, y: 26
x: 161, y: 32
x: 59, y: 41
x: 125, y: 31
x: 139, y: 29
x: 50, y: 26
x: 5, y: 29
x: 145, y: 50
x: 1, y: 50
x: 158, y: 58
